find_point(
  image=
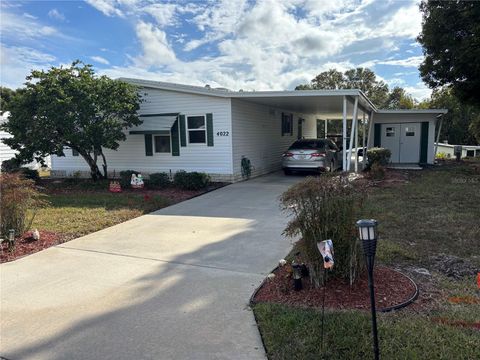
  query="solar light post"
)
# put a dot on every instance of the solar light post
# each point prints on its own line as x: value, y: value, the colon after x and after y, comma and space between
x: 367, y: 230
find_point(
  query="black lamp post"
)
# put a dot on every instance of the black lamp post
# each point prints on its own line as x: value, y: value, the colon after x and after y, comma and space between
x: 367, y: 230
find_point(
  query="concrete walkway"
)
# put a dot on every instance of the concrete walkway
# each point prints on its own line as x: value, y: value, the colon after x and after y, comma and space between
x: 174, y: 284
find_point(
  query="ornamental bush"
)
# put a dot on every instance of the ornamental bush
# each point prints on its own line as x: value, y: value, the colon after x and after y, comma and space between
x: 126, y: 177
x: 378, y: 155
x: 159, y: 180
x: 191, y: 180
x: 326, y: 207
x: 20, y: 200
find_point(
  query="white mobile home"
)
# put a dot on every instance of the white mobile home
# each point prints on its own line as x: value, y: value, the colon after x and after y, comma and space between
x: 211, y: 130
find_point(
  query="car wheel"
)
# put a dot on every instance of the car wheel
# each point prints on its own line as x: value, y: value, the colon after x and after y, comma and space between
x: 287, y: 171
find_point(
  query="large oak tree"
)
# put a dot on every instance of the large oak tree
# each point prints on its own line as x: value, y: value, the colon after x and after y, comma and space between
x: 451, y: 44
x: 71, y: 107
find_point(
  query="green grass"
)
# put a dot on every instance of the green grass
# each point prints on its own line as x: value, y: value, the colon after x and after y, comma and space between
x: 74, y: 213
x: 436, y: 212
x: 295, y: 334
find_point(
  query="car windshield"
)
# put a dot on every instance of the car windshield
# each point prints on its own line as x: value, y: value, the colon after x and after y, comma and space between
x: 308, y: 145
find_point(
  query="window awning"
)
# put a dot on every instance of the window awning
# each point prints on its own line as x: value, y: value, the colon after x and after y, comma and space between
x: 154, y: 124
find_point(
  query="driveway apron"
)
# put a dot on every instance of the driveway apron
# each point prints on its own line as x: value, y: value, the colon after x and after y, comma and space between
x: 173, y: 284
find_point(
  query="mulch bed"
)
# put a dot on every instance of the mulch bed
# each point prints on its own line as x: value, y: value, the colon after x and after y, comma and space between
x: 391, y: 288
x: 26, y: 245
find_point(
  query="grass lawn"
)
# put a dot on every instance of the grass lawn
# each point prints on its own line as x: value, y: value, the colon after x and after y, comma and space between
x: 78, y: 208
x: 435, y: 212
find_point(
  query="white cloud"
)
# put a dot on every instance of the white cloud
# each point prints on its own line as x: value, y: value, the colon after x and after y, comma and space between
x: 156, y: 49
x: 17, y: 62
x: 419, y: 91
x: 29, y: 16
x: 100, y: 60
x: 413, y: 61
x: 107, y: 7
x: 22, y: 28
x: 57, y: 15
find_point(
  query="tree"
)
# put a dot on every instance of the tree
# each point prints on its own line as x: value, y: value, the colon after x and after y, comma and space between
x: 459, y: 123
x: 71, y: 107
x: 359, y: 78
x: 6, y: 96
x: 451, y: 44
x: 398, y: 98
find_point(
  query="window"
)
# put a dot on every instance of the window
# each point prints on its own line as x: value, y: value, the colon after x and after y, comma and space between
x: 162, y: 143
x: 390, y: 132
x: 410, y: 131
x: 75, y: 152
x: 196, y: 128
x: 287, y: 124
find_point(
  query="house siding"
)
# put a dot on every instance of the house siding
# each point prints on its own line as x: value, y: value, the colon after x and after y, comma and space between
x: 256, y: 131
x: 214, y: 160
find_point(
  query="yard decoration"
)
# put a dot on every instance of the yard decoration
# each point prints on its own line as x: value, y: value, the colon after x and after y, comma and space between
x: 137, y: 181
x: 35, y: 235
x: 367, y: 230
x: 115, y: 187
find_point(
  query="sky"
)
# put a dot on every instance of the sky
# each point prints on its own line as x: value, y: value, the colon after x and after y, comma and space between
x: 236, y: 44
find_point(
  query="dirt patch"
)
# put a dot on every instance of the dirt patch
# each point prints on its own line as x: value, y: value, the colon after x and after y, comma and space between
x: 26, y: 245
x: 391, y: 288
x: 453, y: 266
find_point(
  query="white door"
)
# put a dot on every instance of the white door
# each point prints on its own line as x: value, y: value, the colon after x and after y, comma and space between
x: 391, y: 140
x: 410, y: 143
x: 403, y: 140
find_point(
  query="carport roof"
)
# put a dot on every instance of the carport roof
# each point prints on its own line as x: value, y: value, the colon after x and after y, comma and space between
x: 320, y: 102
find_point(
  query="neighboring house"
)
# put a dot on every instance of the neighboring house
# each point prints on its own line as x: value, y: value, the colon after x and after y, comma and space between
x: 467, y: 150
x: 210, y: 130
x: 6, y: 153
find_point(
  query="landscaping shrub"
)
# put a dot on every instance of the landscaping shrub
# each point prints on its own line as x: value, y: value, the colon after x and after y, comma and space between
x: 378, y: 155
x: 324, y: 208
x: 20, y: 200
x: 29, y: 174
x: 191, y: 180
x: 159, y: 180
x: 442, y: 156
x: 126, y: 177
x: 10, y: 165
x: 377, y: 171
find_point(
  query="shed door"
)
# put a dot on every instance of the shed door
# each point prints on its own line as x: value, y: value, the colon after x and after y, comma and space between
x: 403, y: 140
x: 410, y: 143
x: 391, y: 140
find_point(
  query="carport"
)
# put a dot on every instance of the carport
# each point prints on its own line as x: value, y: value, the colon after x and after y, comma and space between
x: 351, y: 107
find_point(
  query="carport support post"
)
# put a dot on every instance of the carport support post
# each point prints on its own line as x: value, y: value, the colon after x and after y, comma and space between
x: 344, y: 134
x: 438, y: 138
x: 364, y: 151
x: 370, y: 128
x: 352, y: 132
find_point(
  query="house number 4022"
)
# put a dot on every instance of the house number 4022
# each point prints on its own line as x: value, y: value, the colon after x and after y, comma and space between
x: 223, y: 133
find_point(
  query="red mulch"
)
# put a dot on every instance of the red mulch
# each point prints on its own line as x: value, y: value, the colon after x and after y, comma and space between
x: 391, y: 288
x: 457, y: 323
x: 26, y: 245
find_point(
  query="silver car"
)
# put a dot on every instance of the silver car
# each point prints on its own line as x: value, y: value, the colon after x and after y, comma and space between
x: 312, y: 155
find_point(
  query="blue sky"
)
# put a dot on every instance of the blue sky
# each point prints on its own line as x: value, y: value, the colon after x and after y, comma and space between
x: 238, y: 44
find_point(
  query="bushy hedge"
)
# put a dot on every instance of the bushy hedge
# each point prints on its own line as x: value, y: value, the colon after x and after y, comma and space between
x: 126, y: 177
x: 159, y: 180
x: 380, y: 156
x: 14, y: 166
x: 10, y: 165
x: 20, y: 200
x: 323, y: 208
x: 191, y: 180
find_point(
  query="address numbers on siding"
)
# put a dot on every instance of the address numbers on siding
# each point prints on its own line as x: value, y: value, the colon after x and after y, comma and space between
x: 223, y: 133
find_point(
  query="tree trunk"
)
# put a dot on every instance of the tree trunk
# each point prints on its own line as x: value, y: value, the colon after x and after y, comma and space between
x: 104, y: 165
x: 94, y: 171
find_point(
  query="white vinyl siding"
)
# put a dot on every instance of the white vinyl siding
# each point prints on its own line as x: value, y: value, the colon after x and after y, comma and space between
x: 257, y: 135
x: 193, y: 157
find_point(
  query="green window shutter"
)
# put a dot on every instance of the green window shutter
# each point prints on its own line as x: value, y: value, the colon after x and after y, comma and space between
x: 183, y: 132
x: 209, y: 129
x: 148, y: 145
x: 175, y: 142
x: 377, y: 133
x: 424, y: 143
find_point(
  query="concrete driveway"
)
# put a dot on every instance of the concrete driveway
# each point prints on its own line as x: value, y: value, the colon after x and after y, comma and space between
x: 173, y: 284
